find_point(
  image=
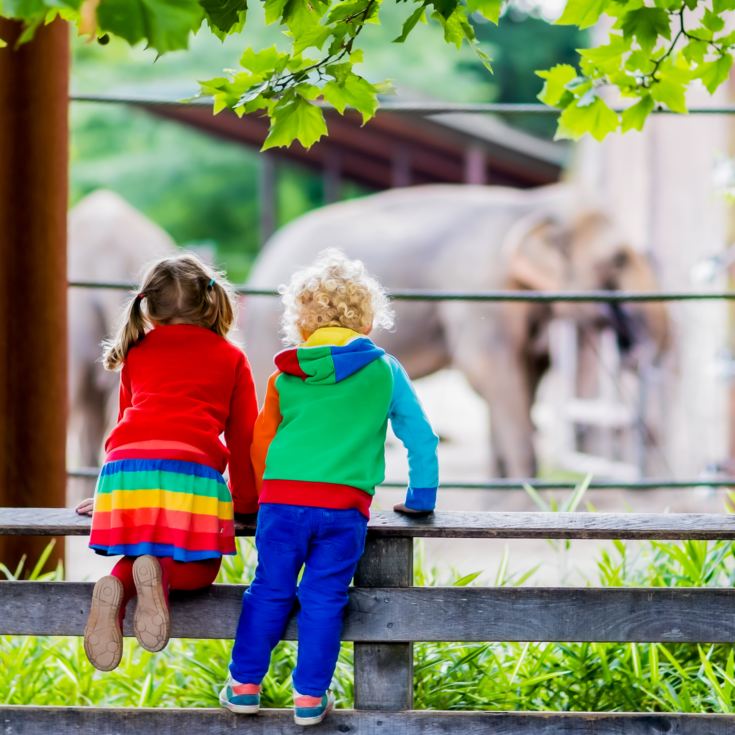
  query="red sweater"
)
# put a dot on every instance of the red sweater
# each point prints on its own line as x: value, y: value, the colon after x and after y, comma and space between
x: 185, y: 384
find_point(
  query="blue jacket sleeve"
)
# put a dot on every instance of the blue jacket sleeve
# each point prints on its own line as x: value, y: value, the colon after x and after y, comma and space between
x: 412, y: 427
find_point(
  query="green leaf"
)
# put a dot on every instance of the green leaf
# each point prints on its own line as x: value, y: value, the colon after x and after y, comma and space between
x: 165, y: 24
x: 466, y: 580
x: 301, y: 16
x: 634, y: 117
x: 489, y: 9
x: 456, y: 27
x: 597, y: 119
x: 605, y: 59
x: 713, y: 21
x: 670, y: 93
x: 695, y: 51
x: 484, y: 58
x: 582, y: 13
x: 639, y: 61
x: 123, y: 18
x: 557, y: 78
x: 252, y: 94
x: 274, y: 10
x: 225, y: 16
x: 313, y: 37
x: 445, y: 8
x: 646, y: 25
x: 410, y: 23
x: 263, y: 62
x: 340, y: 71
x: 295, y: 119
x: 342, y: 11
x: 354, y: 92
x: 714, y: 73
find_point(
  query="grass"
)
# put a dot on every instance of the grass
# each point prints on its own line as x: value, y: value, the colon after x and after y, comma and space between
x: 489, y: 676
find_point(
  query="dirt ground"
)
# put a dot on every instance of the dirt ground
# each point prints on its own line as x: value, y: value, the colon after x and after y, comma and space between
x: 460, y: 419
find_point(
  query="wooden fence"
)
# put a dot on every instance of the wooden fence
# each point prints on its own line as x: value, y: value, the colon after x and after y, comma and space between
x: 387, y: 614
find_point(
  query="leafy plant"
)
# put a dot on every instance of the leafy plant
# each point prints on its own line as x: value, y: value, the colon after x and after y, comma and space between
x: 653, y: 54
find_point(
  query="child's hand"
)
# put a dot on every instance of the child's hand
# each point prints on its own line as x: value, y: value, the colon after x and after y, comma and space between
x: 406, y: 511
x: 85, y: 507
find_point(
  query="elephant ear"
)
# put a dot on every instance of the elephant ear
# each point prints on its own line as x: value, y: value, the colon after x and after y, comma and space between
x: 537, y: 253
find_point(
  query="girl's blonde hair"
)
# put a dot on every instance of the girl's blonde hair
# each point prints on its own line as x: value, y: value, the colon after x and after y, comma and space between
x: 333, y: 292
x: 180, y: 289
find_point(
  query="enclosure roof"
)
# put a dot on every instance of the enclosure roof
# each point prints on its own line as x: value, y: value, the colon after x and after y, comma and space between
x: 395, y: 147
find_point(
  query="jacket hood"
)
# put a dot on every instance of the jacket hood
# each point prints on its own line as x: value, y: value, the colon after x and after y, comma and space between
x: 330, y: 355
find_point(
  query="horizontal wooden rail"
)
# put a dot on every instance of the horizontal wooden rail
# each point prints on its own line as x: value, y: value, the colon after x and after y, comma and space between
x: 412, y: 614
x: 449, y: 524
x: 20, y: 720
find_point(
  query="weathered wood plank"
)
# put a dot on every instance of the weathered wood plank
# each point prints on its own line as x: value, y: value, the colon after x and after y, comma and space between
x: 384, y: 671
x: 450, y: 524
x: 104, y: 721
x: 385, y: 615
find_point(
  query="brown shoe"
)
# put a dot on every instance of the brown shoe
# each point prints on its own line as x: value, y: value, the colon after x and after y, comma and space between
x: 152, y: 623
x: 103, y: 641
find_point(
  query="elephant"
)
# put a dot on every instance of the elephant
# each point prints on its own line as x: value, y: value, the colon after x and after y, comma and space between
x: 109, y: 240
x: 473, y: 238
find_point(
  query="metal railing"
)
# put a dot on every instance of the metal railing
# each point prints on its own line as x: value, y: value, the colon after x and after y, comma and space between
x: 544, y: 297
x: 396, y: 106
x: 91, y: 473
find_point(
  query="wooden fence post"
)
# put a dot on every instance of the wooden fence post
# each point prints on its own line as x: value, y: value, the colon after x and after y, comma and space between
x: 34, y: 144
x: 384, y: 671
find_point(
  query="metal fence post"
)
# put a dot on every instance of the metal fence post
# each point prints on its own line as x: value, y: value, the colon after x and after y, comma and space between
x: 384, y: 671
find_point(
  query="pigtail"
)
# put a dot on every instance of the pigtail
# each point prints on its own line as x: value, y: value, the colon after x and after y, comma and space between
x: 130, y: 332
x: 221, y: 301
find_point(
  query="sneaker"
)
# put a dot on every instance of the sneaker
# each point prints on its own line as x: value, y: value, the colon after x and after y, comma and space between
x: 311, y: 710
x: 103, y: 640
x: 241, y: 698
x: 152, y: 623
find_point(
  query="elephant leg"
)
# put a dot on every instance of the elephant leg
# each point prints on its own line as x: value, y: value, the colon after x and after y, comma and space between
x: 501, y: 379
x: 95, y: 426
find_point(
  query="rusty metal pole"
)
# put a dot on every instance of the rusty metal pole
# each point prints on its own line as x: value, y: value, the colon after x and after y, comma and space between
x: 34, y: 141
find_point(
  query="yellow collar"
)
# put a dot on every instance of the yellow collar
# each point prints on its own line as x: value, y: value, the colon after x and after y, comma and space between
x: 331, y: 336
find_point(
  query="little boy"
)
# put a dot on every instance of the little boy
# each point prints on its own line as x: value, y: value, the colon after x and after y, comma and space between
x: 318, y: 454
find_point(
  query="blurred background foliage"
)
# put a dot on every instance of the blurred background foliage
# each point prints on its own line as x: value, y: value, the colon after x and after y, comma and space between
x: 204, y: 191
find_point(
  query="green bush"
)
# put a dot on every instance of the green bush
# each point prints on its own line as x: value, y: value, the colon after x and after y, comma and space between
x: 489, y: 676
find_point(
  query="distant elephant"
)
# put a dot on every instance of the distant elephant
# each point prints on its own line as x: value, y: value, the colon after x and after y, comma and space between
x: 472, y: 238
x: 109, y: 240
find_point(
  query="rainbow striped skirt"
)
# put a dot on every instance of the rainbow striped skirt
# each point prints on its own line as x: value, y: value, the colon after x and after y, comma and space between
x: 162, y: 507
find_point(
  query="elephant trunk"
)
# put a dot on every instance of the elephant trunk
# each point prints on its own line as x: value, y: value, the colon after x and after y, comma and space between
x: 641, y: 331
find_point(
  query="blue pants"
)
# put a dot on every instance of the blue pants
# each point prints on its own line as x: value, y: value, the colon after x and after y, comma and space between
x: 328, y: 544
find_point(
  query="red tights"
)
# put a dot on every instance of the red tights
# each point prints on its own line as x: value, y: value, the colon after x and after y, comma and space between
x: 177, y: 575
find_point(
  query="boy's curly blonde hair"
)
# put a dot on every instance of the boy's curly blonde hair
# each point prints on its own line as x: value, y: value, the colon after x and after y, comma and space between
x: 333, y: 292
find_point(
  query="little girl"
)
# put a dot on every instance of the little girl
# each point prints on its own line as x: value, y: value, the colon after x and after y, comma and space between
x: 161, y: 500
x: 318, y: 454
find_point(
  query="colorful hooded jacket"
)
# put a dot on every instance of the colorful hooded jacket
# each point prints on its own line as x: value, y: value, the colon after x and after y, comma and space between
x: 319, y: 439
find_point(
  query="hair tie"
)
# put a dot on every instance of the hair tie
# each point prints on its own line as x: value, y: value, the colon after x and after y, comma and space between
x: 140, y: 296
x: 210, y: 285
